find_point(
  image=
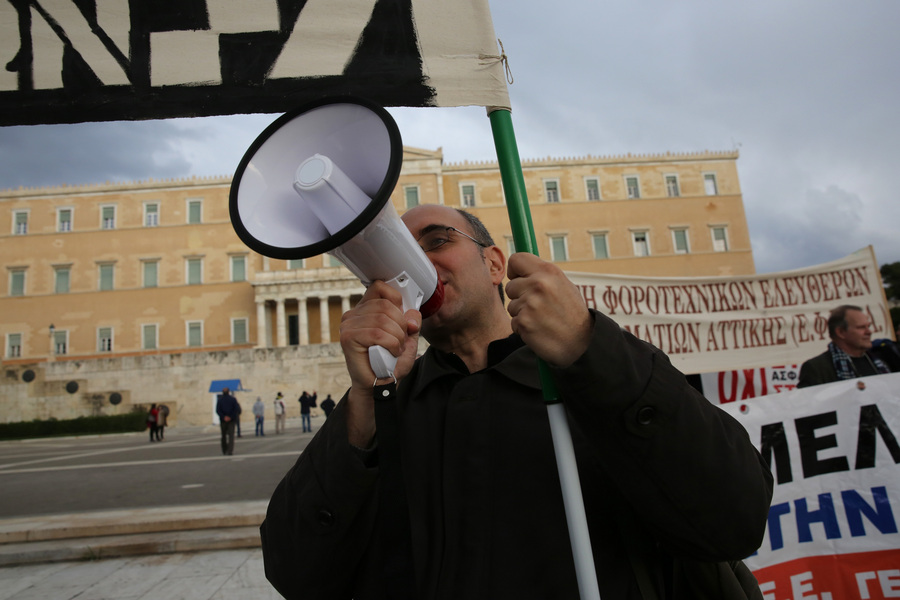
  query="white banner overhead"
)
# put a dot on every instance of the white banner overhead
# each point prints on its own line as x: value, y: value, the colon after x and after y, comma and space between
x: 715, y: 324
x: 100, y: 60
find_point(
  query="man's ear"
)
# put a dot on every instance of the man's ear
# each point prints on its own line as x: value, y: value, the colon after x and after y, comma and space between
x: 496, y: 261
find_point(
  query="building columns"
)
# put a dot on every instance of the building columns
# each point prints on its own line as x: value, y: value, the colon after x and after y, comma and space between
x: 280, y: 323
x: 261, y: 324
x: 325, y: 321
x: 302, y: 321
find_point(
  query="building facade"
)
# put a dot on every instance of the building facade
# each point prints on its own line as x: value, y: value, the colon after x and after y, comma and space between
x: 155, y: 268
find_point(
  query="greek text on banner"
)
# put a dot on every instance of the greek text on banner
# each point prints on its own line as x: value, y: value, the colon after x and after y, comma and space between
x: 721, y: 324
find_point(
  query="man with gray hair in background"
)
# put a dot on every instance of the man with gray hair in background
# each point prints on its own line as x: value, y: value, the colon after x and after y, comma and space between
x: 849, y: 353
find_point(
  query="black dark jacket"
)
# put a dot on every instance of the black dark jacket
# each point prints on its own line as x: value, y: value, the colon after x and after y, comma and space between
x: 486, y: 510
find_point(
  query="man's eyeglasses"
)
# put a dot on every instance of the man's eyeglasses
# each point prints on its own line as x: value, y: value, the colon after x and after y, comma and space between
x: 439, y: 236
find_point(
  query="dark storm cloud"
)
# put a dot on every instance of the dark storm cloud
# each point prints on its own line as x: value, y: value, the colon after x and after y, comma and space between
x: 42, y: 155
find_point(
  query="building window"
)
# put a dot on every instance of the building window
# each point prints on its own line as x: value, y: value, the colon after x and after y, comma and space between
x: 13, y: 345
x: 412, y: 196
x: 195, y: 333
x: 62, y: 280
x: 710, y: 184
x: 467, y: 195
x: 296, y: 263
x: 60, y: 342
x: 104, y: 339
x: 20, y: 222
x: 64, y: 219
x: 239, y: 331
x: 151, y: 273
x: 194, y: 211
x: 632, y: 185
x: 333, y: 261
x: 720, y: 239
x: 238, y: 268
x: 151, y: 214
x: 551, y: 189
x: 680, y: 241
x: 107, y: 217
x: 107, y: 272
x: 641, y: 243
x: 558, y: 251
x: 194, y: 268
x: 592, y: 188
x: 17, y: 282
x: 149, y: 338
x: 601, y: 247
x: 672, y: 186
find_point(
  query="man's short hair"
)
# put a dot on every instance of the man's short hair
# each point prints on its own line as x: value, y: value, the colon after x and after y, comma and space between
x: 480, y: 233
x: 837, y: 318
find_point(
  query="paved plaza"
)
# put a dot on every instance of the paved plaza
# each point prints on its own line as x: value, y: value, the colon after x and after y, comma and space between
x: 117, y: 518
x: 221, y: 575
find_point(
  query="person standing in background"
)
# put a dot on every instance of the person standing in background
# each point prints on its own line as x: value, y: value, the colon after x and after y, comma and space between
x: 279, y: 413
x: 307, y: 402
x: 849, y: 354
x: 152, y: 417
x: 227, y: 408
x: 327, y: 405
x: 259, y: 413
x: 162, y: 419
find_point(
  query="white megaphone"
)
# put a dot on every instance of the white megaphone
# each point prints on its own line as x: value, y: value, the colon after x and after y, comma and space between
x: 319, y: 179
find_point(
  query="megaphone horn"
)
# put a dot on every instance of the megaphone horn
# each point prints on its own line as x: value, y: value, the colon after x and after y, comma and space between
x: 319, y: 179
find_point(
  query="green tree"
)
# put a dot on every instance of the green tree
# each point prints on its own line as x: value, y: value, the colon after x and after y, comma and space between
x: 890, y: 275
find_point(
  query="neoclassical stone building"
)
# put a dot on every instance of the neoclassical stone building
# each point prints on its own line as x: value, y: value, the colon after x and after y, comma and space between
x: 120, y: 272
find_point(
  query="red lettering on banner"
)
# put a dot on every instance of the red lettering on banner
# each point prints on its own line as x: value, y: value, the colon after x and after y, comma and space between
x: 876, y: 327
x: 610, y: 301
x: 746, y: 333
x: 749, y: 386
x: 800, y: 325
x: 723, y: 398
x: 858, y: 576
x: 743, y: 384
x: 816, y: 287
x: 671, y: 338
x: 680, y: 299
x: 589, y: 293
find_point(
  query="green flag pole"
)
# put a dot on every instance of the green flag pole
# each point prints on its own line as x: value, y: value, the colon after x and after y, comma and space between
x: 524, y: 239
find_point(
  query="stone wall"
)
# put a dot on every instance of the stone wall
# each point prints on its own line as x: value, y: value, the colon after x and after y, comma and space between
x: 179, y: 380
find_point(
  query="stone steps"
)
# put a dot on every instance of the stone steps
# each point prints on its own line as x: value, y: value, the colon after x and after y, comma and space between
x: 135, y: 532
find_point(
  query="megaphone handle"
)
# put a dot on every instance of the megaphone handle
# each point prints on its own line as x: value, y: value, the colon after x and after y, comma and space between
x: 382, y: 361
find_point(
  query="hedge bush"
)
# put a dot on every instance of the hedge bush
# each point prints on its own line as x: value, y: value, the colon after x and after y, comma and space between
x: 133, y: 421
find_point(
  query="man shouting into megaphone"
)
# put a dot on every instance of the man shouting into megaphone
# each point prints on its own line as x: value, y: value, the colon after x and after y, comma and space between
x: 672, y: 485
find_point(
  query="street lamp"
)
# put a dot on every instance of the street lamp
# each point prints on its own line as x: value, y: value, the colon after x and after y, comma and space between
x: 52, y: 342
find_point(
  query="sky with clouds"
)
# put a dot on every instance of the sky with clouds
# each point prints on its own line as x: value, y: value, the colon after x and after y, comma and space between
x: 807, y: 90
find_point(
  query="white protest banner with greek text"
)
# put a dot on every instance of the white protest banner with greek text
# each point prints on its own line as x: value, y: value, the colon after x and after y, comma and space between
x: 710, y: 324
x: 834, y: 451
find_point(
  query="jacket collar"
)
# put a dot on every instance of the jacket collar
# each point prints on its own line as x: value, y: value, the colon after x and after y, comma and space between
x: 509, y: 357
